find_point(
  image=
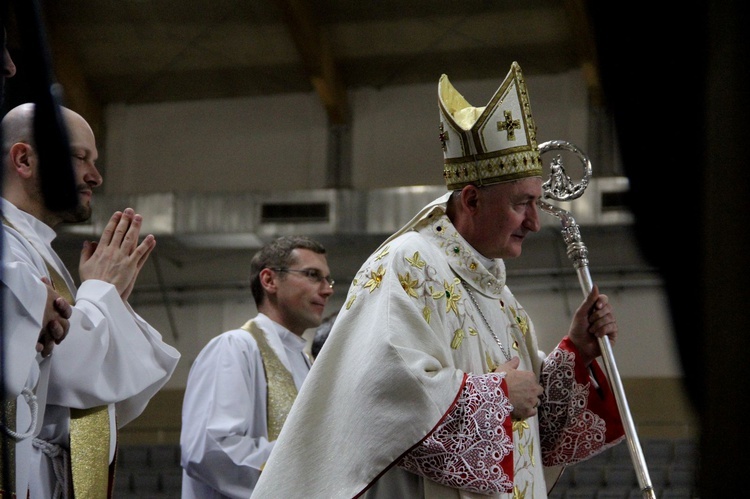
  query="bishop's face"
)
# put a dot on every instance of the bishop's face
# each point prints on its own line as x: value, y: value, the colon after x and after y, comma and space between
x: 507, y: 212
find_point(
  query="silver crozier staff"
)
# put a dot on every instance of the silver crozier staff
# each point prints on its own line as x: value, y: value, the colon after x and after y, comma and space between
x: 560, y: 188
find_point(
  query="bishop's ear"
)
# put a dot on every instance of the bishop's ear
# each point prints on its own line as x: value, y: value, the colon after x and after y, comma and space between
x: 470, y: 196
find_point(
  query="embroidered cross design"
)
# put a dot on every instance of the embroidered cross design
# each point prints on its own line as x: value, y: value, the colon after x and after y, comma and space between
x: 443, y: 137
x: 509, y: 125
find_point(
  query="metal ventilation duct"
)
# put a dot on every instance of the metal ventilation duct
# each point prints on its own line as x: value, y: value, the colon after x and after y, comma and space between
x: 236, y: 220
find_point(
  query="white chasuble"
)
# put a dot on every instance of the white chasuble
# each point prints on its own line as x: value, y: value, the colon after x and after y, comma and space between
x: 402, y: 401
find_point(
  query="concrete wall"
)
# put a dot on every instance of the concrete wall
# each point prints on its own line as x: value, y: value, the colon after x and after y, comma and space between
x: 280, y: 142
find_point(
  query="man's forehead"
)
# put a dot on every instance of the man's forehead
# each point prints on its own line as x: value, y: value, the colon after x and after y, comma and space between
x: 81, y: 137
x: 526, y: 187
x: 308, y: 256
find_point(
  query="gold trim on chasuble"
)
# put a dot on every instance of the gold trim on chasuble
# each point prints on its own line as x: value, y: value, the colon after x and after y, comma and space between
x: 281, y: 390
x: 89, y: 428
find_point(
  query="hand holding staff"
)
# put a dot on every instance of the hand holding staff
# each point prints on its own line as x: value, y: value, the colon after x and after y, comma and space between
x: 560, y: 188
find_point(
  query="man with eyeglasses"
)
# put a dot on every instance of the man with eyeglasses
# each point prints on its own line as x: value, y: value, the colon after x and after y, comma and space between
x: 244, y: 381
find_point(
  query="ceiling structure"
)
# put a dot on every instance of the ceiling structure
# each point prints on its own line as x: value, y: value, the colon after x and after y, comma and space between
x: 151, y: 51
x: 147, y: 51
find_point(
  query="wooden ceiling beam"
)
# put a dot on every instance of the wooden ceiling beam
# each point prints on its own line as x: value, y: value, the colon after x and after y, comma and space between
x: 317, y: 58
x: 68, y: 72
x: 77, y: 94
x: 585, y: 44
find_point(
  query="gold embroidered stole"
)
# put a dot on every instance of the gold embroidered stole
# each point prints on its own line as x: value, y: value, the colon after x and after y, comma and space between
x: 281, y: 390
x: 89, y: 433
x: 89, y: 428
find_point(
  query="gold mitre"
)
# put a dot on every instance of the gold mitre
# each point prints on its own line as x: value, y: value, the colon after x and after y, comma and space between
x: 491, y: 144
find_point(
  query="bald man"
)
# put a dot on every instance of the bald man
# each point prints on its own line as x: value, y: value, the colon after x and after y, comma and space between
x: 35, y: 319
x: 112, y: 361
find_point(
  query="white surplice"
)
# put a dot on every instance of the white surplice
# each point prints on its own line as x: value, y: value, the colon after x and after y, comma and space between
x: 23, y: 368
x: 224, y: 439
x: 111, y: 356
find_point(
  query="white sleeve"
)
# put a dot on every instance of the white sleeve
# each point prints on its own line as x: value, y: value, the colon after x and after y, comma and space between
x: 110, y: 356
x: 24, y: 298
x: 224, y: 433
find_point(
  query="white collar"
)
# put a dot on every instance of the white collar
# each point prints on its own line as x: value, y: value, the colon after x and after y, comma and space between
x: 290, y: 340
x: 27, y: 224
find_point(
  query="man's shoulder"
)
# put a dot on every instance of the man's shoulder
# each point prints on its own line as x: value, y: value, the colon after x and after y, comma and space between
x: 230, y: 337
x: 405, y: 244
x: 16, y: 246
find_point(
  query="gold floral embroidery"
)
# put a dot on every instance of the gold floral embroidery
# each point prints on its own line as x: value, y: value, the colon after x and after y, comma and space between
x: 458, y: 337
x: 491, y: 366
x: 408, y: 284
x: 527, y: 450
x: 518, y: 493
x: 520, y: 426
x: 385, y: 251
x: 473, y: 331
x: 521, y: 320
x: 416, y: 261
x: 427, y: 314
x: 451, y: 300
x: 376, y: 277
x: 451, y: 296
x: 350, y: 302
x: 523, y: 323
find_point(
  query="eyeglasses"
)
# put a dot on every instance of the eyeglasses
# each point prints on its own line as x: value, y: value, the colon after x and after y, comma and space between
x: 313, y: 274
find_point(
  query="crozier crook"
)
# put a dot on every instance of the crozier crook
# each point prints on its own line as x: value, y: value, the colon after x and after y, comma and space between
x: 560, y: 187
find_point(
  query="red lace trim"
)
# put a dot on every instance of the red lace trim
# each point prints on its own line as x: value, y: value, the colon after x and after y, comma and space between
x: 472, y: 449
x: 574, y: 418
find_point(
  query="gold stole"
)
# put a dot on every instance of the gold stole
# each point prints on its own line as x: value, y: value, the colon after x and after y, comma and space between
x: 281, y: 390
x: 89, y: 429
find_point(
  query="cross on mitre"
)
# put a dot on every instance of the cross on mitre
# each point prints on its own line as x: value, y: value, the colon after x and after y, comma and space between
x: 509, y: 125
x: 443, y: 137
